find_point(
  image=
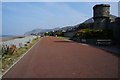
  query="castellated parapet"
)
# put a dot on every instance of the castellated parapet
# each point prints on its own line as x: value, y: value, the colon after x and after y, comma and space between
x: 101, y: 16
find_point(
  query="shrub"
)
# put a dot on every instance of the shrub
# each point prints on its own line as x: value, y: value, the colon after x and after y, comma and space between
x: 12, y: 48
x: 8, y: 49
x: 35, y: 39
x: 47, y: 34
x: 85, y: 25
x: 59, y: 33
x: 51, y: 34
x: 29, y: 42
x: 94, y: 34
x: 42, y: 35
x: 117, y: 19
x: 4, y: 49
x: 26, y: 44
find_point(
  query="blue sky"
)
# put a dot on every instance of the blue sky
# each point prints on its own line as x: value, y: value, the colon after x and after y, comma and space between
x: 19, y: 17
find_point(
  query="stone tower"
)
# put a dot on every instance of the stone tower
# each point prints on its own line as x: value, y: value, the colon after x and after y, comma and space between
x: 101, y: 16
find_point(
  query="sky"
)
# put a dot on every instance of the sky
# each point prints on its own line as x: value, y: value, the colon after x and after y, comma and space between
x: 119, y: 9
x: 20, y: 17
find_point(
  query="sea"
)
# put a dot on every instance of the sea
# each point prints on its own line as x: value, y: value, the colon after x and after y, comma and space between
x: 8, y: 35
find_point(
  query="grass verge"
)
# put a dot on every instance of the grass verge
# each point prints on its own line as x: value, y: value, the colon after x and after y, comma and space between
x: 8, y: 60
x: 63, y: 37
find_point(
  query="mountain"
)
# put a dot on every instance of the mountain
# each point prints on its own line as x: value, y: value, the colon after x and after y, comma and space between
x: 57, y: 28
x: 91, y: 20
x: 38, y: 30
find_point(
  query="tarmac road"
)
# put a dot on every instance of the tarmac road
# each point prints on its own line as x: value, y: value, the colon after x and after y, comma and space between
x: 57, y: 58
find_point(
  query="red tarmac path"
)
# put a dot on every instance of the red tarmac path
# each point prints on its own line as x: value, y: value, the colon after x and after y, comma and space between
x: 57, y: 58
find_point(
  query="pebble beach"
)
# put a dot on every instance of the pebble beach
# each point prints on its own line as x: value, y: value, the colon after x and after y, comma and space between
x: 10, y: 38
x: 18, y: 42
x: 5, y: 38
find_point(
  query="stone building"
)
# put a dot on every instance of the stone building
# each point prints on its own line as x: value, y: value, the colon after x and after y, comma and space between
x: 103, y: 20
x: 101, y: 16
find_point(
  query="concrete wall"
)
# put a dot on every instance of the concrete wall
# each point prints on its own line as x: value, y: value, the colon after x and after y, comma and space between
x: 69, y: 34
x: 116, y: 31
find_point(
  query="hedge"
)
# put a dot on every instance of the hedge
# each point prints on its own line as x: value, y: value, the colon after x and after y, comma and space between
x: 94, y: 34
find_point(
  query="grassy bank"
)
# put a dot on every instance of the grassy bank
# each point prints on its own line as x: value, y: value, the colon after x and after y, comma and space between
x: 63, y: 37
x: 8, y: 59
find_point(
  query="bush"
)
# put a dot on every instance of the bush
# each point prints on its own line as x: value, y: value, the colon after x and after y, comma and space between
x: 117, y: 19
x: 59, y: 33
x: 29, y: 42
x: 42, y: 35
x: 51, y: 34
x: 85, y: 25
x: 47, y: 34
x: 8, y: 49
x: 94, y: 34
x: 12, y: 49
x: 26, y: 44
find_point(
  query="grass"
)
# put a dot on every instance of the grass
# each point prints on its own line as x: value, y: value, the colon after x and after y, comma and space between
x: 63, y: 37
x: 8, y: 60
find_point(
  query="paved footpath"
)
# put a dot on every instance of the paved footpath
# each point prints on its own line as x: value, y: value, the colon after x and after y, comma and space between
x: 56, y: 58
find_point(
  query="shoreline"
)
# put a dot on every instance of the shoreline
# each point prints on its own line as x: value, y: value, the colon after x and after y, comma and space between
x: 10, y: 38
x: 5, y: 38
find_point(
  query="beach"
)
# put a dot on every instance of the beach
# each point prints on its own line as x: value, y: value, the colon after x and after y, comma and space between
x: 5, y: 38
x: 10, y: 38
x: 19, y: 40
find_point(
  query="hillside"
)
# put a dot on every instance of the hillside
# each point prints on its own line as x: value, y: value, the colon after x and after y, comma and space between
x: 38, y: 30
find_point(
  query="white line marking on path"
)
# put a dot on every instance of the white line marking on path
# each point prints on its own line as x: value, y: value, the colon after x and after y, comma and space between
x: 18, y: 60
